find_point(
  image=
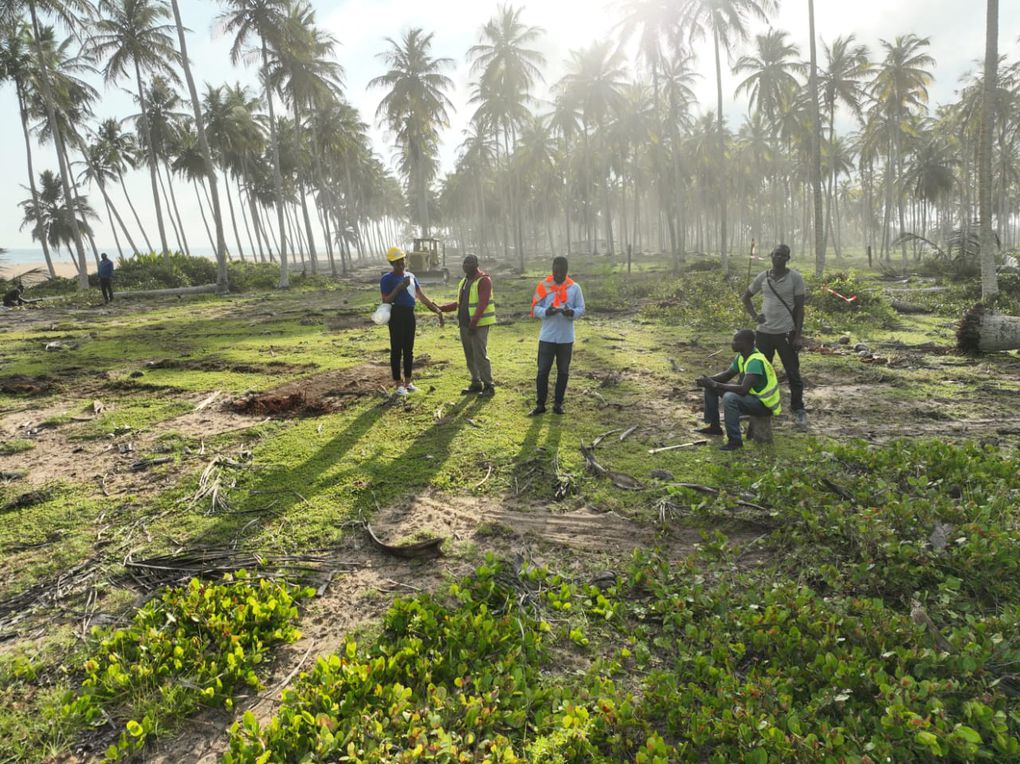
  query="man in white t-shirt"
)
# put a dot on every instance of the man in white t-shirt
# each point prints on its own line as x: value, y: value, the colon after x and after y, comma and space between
x: 781, y: 322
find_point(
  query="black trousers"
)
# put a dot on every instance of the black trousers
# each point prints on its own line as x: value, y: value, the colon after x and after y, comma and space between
x: 402, y: 325
x: 107, y: 286
x: 548, y: 352
x: 769, y: 345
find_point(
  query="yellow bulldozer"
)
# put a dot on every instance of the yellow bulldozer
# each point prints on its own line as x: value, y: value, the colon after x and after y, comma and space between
x: 427, y: 261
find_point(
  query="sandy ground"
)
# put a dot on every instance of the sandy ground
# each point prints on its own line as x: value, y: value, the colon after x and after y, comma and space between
x: 61, y: 264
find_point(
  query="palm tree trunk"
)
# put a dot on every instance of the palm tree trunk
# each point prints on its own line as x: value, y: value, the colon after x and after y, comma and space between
x: 989, y: 279
x: 152, y: 162
x: 31, y: 177
x: 721, y: 174
x: 173, y: 222
x: 233, y: 217
x: 309, y: 236
x: 201, y: 211
x: 65, y: 175
x: 176, y: 211
x: 220, y: 247
x: 138, y: 221
x: 277, y: 176
x: 116, y: 238
x: 816, y: 149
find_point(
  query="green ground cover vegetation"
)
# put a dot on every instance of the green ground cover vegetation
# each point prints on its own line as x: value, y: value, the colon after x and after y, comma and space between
x: 853, y: 597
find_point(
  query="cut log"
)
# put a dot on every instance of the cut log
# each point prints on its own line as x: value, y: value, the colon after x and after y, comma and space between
x: 908, y: 307
x: 759, y: 428
x: 983, y: 331
x: 180, y: 291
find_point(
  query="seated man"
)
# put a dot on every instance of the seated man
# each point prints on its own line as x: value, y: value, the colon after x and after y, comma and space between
x: 755, y: 394
x: 13, y: 298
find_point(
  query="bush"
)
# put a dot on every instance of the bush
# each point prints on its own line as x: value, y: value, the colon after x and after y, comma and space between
x: 869, y: 307
x: 702, y: 300
x: 156, y: 271
x: 252, y: 277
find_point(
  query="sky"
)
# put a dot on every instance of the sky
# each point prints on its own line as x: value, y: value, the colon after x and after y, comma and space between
x: 956, y: 29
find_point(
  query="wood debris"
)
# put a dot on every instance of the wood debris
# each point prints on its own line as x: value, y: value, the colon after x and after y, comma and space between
x: 420, y: 550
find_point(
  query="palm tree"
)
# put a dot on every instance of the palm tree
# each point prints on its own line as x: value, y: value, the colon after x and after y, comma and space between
x: 51, y: 217
x: 203, y: 145
x: 120, y: 153
x: 989, y: 279
x: 726, y: 22
x: 415, y: 108
x: 594, y: 84
x: 770, y: 83
x: 99, y: 169
x: 131, y: 36
x: 900, y: 88
x: 264, y: 20
x: 656, y: 24
x: 16, y: 63
x: 507, y: 70
x: 303, y: 69
x: 71, y: 14
x: 164, y: 118
x: 842, y: 81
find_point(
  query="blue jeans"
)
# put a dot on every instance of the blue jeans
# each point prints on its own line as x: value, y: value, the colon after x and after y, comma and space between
x: 733, y: 406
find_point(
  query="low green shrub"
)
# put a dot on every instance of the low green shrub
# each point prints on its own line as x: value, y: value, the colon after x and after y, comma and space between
x: 193, y: 646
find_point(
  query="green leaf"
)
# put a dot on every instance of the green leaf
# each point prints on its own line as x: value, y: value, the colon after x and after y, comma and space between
x: 135, y: 729
x: 757, y: 756
x: 969, y: 734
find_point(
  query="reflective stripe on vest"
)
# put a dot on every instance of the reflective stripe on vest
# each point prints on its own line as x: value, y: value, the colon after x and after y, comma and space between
x: 489, y: 314
x: 770, y: 395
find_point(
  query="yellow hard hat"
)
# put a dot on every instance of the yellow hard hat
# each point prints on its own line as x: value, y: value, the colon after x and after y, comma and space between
x: 395, y: 253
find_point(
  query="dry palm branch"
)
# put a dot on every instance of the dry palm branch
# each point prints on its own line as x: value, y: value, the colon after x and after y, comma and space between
x: 151, y: 573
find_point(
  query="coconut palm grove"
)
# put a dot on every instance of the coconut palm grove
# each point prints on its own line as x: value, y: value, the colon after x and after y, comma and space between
x: 287, y: 473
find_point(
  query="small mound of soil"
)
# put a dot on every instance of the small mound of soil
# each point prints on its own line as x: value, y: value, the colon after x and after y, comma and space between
x: 323, y: 393
x: 268, y: 404
x: 22, y: 385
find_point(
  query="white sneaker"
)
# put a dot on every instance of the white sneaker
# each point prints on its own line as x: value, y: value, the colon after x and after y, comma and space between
x: 410, y: 387
x: 401, y: 390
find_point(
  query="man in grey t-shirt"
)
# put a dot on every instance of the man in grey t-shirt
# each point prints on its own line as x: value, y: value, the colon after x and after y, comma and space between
x: 781, y: 322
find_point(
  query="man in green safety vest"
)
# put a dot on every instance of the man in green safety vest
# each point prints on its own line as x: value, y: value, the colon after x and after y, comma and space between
x: 756, y: 392
x: 476, y: 312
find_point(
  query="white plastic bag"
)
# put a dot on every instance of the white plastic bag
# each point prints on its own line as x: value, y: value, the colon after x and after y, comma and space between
x: 382, y: 314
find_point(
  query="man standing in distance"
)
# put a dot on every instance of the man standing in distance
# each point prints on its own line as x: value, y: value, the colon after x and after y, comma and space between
x: 106, y: 277
x: 781, y: 322
x: 558, y: 302
x: 476, y: 312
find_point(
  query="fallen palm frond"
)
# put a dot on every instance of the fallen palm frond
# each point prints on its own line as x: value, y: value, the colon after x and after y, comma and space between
x: 619, y: 479
x: 46, y: 596
x: 213, y: 562
x: 212, y: 483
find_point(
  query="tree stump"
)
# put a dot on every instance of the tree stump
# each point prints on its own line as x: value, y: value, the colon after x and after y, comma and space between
x: 984, y: 331
x: 759, y: 428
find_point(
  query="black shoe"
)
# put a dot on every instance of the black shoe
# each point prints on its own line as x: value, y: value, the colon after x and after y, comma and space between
x: 537, y: 411
x: 487, y: 392
x: 471, y: 389
x: 710, y: 430
x: 733, y: 445
x: 557, y: 408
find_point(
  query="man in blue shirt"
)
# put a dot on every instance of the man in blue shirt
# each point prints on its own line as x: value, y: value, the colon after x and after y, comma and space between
x: 558, y: 302
x: 106, y: 277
